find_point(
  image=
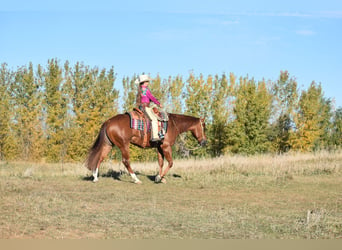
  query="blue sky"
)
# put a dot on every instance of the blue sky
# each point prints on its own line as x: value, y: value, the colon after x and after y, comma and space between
x: 169, y: 38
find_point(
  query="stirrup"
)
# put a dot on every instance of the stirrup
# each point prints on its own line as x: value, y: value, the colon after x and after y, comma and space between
x: 155, y: 140
x: 161, y: 135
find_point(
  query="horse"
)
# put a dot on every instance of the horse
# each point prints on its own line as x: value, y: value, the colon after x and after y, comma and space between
x: 116, y: 131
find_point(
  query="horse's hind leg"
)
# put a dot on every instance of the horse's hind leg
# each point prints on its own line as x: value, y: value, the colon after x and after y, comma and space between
x: 125, y: 161
x: 104, y: 152
x: 95, y: 174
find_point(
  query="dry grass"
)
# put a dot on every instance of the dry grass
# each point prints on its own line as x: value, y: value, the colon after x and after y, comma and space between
x: 271, y: 197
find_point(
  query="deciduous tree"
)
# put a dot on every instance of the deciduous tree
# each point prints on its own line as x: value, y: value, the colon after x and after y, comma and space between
x: 56, y: 111
x: 218, y: 133
x: 28, y: 113
x: 309, y: 119
x: 252, y: 112
x: 8, y: 143
x: 285, y: 102
x: 337, y: 128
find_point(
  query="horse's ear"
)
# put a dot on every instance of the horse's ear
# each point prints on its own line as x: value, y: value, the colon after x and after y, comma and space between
x: 202, y: 119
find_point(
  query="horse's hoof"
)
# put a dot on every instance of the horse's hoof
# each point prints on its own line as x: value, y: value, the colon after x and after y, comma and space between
x: 137, y: 182
x: 163, y: 180
x: 157, y: 179
x: 95, y: 180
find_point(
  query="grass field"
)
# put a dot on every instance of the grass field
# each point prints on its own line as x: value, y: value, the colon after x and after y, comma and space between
x: 233, y: 197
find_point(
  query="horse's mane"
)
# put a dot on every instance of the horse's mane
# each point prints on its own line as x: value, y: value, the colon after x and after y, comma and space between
x: 181, y: 116
x: 182, y: 121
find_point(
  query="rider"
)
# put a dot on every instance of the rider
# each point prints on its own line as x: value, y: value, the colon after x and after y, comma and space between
x: 144, y: 98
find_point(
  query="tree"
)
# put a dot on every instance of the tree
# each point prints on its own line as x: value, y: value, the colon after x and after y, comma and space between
x: 252, y: 112
x: 93, y: 100
x: 337, y: 128
x: 28, y: 114
x: 130, y: 93
x: 56, y: 112
x: 285, y: 101
x: 8, y: 144
x: 159, y: 88
x: 309, y: 119
x: 220, y: 113
x: 108, y: 94
x: 198, y: 96
x: 197, y: 103
x: 326, y: 125
x: 175, y: 104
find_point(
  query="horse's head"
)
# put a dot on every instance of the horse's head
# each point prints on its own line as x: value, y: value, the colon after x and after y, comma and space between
x: 199, y: 132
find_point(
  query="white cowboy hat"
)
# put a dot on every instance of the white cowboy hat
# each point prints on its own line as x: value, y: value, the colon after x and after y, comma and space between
x: 143, y: 78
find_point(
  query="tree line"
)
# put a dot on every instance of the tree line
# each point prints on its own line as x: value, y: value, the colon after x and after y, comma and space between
x: 54, y: 113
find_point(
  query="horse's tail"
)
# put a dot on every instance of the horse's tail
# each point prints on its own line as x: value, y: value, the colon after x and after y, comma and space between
x: 95, y: 151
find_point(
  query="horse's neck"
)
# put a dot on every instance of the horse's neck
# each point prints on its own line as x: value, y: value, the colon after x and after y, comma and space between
x: 182, y: 123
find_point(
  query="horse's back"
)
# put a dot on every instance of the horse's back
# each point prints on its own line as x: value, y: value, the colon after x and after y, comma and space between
x: 118, y: 125
x: 118, y: 118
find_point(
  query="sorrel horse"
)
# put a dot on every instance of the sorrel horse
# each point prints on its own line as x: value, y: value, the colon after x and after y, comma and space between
x: 116, y: 131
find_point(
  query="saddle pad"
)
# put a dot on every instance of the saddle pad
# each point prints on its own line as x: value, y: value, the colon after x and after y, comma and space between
x: 138, y: 122
x: 140, y: 125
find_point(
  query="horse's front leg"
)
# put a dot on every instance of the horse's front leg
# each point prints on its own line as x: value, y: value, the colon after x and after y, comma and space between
x: 167, y: 152
x: 161, y: 163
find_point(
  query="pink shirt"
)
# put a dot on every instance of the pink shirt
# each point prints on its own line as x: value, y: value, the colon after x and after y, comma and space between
x: 146, y: 96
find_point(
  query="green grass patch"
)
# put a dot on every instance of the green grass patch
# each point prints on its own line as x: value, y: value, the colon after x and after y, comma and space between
x: 281, y: 197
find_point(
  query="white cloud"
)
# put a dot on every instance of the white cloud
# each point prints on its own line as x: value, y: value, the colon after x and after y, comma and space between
x: 229, y: 22
x: 331, y: 14
x: 305, y: 32
x: 173, y: 34
x: 334, y: 14
x: 265, y: 41
x: 217, y: 21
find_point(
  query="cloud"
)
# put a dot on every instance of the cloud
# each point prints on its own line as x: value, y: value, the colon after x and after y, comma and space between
x: 317, y: 14
x: 173, y: 34
x: 265, y: 41
x: 217, y: 21
x: 279, y: 14
x: 331, y: 14
x: 305, y: 32
x: 229, y: 22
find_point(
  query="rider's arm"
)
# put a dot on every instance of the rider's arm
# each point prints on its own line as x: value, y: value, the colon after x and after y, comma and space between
x: 151, y: 97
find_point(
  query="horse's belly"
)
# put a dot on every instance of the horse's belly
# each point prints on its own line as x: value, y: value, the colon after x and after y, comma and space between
x: 140, y: 139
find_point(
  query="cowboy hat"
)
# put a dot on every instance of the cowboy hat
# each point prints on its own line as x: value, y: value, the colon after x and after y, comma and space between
x: 143, y: 78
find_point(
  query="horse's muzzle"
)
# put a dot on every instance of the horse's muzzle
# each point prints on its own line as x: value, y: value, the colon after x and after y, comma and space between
x: 203, y: 143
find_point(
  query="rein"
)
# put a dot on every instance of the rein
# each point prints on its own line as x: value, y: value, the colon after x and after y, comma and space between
x: 182, y: 138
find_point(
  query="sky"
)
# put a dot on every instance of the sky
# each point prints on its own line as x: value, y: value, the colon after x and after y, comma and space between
x: 250, y: 38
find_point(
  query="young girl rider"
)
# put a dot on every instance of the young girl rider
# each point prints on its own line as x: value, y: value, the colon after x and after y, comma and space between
x: 144, y: 98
